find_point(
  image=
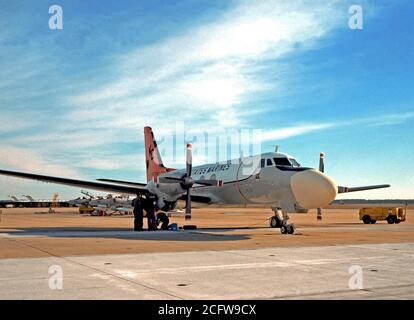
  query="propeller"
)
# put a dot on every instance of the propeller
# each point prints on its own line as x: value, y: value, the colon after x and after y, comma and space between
x: 321, y: 169
x: 187, y: 182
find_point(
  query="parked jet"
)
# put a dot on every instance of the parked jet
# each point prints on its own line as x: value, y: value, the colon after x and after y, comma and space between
x: 14, y: 198
x: 273, y: 179
x: 29, y: 197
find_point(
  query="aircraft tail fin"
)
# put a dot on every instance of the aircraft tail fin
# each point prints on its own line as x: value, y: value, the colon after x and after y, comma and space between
x: 153, y: 160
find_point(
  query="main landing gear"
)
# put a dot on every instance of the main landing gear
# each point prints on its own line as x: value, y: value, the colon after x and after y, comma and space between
x: 280, y: 220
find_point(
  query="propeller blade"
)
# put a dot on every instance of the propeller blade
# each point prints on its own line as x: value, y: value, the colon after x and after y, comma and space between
x: 188, y: 205
x: 189, y: 159
x: 322, y: 162
x: 319, y: 214
x: 321, y: 169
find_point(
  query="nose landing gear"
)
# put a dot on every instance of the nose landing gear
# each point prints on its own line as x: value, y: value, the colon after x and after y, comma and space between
x: 280, y: 220
x: 287, y: 229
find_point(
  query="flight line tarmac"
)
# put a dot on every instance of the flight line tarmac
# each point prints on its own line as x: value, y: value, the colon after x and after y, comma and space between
x: 233, y: 255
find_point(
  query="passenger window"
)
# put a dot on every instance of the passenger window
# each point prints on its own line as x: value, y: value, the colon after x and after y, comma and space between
x: 282, y: 162
x: 262, y: 163
x: 269, y: 163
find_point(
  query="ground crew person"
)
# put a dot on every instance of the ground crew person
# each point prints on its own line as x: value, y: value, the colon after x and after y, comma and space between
x: 138, y: 214
x: 150, y: 208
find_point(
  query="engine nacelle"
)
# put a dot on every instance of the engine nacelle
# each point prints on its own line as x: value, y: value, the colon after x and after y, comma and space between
x: 167, y: 194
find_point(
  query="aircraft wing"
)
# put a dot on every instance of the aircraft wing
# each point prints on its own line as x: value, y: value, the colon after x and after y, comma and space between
x: 79, y: 183
x: 129, y: 183
x: 355, y: 189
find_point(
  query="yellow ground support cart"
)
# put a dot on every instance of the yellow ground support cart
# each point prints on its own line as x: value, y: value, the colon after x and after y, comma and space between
x: 85, y: 209
x: 374, y: 214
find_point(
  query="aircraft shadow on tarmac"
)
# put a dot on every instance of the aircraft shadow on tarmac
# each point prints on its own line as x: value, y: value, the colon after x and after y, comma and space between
x: 205, y: 234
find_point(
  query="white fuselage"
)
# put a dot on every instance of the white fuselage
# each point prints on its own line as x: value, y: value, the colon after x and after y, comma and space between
x: 259, y: 180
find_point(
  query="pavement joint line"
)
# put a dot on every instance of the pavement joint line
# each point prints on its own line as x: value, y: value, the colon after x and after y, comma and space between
x: 299, y: 296
x: 326, y: 266
x: 99, y: 270
x: 369, y: 290
x: 370, y: 247
x: 300, y: 263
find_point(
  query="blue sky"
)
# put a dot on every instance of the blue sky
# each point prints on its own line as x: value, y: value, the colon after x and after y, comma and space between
x: 74, y: 101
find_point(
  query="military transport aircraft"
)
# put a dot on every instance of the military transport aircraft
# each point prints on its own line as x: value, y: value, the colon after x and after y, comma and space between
x: 273, y: 179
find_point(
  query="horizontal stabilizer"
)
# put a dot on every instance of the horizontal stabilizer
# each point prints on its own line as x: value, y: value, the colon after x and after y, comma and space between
x: 355, y: 189
x: 204, y: 182
x: 194, y: 198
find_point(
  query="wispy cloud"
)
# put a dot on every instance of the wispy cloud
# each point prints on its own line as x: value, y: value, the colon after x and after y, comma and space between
x: 207, y: 72
x: 32, y: 161
x: 301, y: 129
x: 207, y: 75
x: 14, y: 123
x: 288, y: 132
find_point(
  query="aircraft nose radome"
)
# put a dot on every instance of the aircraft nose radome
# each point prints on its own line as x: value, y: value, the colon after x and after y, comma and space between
x: 313, y: 189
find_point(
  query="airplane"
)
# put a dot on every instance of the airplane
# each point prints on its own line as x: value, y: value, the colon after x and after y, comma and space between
x: 14, y: 198
x: 112, y: 204
x: 109, y: 201
x: 29, y: 197
x: 273, y: 179
x: 83, y: 200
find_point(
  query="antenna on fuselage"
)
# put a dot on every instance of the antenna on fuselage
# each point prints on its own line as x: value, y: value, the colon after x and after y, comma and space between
x: 276, y: 146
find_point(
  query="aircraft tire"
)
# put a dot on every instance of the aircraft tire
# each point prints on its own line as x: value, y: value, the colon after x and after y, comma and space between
x: 283, y: 229
x: 275, y: 222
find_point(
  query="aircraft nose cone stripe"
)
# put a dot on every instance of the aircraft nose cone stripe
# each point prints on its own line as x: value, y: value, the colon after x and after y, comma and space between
x: 313, y: 189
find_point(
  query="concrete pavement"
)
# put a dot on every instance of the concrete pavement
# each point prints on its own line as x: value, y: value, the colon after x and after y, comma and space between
x: 268, y: 273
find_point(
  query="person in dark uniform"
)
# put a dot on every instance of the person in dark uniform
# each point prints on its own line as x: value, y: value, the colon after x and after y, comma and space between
x: 150, y: 208
x: 138, y: 214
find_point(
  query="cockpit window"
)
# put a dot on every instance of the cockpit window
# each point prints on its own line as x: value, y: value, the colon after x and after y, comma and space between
x: 294, y: 163
x: 269, y: 163
x: 282, y: 162
x: 262, y: 163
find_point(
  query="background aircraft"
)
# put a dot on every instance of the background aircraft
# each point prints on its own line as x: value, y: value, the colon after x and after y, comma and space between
x: 106, y: 204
